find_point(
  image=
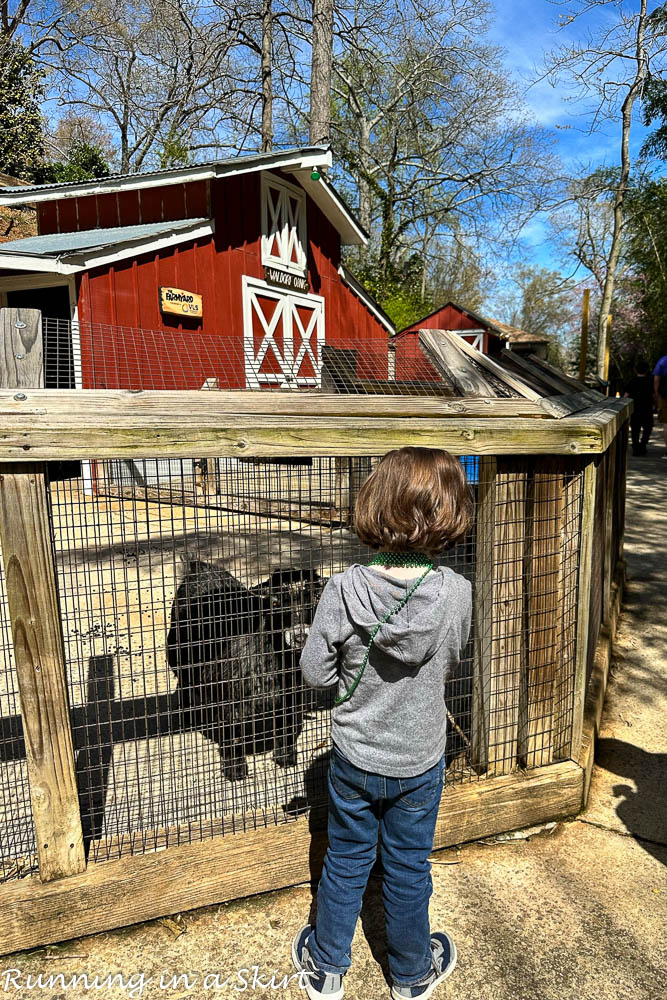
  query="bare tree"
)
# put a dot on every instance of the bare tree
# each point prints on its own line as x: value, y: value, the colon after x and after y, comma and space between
x: 321, y: 70
x: 267, y: 79
x: 608, y: 70
x: 430, y: 129
x: 161, y: 75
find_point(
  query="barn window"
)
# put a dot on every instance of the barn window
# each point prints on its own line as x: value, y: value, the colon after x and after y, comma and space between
x: 283, y: 225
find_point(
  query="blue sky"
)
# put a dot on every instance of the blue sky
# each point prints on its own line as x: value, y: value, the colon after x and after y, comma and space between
x: 526, y: 29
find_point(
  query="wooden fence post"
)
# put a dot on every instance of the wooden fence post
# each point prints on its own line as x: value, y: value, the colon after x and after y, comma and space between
x: 584, y: 602
x: 610, y: 553
x: 544, y: 525
x: 34, y: 611
x: 499, y: 615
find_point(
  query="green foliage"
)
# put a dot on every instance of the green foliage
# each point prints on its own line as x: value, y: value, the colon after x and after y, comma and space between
x: 174, y: 152
x: 21, y: 123
x: 84, y: 162
x: 654, y: 97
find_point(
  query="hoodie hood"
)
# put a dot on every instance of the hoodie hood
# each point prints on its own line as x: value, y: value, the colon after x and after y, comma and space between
x: 418, y: 630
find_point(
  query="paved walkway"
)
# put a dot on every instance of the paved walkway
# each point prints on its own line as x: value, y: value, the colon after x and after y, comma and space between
x: 579, y: 913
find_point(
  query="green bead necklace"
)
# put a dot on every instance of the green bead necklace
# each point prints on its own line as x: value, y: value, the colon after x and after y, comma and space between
x: 389, y: 559
x: 401, y: 559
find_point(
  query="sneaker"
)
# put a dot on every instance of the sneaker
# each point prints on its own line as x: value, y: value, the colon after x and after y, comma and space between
x: 443, y: 958
x: 317, y: 984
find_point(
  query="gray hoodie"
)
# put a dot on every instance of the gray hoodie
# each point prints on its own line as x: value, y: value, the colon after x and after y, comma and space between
x: 395, y: 722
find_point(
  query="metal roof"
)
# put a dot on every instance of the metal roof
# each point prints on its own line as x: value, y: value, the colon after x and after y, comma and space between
x: 66, y: 253
x: 63, y: 244
x: 299, y: 162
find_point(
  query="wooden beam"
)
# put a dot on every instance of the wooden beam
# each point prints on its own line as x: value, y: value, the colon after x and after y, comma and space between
x: 21, y: 356
x: 34, y: 613
x: 142, y: 887
x: 542, y: 662
x: 564, y: 405
x: 567, y: 615
x: 584, y: 601
x: 97, y: 424
x: 495, y: 368
x: 610, y: 552
x: 444, y: 354
x: 595, y: 695
x: 507, y: 642
x: 483, y: 617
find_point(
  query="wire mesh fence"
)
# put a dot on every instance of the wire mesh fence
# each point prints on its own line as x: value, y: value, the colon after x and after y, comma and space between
x: 275, y: 354
x: 17, y: 838
x: 184, y: 614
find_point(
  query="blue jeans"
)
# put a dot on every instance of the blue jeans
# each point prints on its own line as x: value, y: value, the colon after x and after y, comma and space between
x: 403, y: 812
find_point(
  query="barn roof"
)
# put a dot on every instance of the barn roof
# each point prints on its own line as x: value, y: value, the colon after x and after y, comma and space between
x: 488, y: 324
x: 517, y: 336
x: 65, y: 253
x: 299, y: 162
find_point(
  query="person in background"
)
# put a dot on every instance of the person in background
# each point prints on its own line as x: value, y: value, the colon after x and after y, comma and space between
x: 640, y: 390
x: 660, y: 388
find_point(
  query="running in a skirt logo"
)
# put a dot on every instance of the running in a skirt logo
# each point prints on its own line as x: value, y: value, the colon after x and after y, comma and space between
x: 15, y: 981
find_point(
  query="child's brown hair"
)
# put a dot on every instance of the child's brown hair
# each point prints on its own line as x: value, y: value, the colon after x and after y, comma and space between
x: 416, y: 499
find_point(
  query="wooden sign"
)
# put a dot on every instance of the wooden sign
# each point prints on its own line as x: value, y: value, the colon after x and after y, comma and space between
x: 286, y: 279
x: 180, y: 302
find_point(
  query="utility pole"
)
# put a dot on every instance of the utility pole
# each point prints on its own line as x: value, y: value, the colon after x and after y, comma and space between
x: 583, y: 348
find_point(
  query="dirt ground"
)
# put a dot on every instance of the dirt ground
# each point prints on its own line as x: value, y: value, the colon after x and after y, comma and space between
x: 574, y: 912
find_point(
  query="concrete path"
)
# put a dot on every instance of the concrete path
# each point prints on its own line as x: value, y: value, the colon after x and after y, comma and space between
x: 578, y: 913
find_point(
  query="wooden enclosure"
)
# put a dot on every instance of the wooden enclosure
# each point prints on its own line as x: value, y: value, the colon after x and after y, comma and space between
x: 112, y: 810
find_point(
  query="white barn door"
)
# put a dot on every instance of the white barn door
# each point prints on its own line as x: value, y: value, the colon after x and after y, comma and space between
x: 283, y: 336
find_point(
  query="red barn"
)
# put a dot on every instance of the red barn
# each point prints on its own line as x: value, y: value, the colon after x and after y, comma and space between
x: 223, y: 274
x: 411, y: 363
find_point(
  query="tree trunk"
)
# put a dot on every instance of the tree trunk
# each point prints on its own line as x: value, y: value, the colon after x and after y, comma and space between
x: 621, y: 190
x: 365, y: 199
x: 320, y: 74
x: 267, y: 84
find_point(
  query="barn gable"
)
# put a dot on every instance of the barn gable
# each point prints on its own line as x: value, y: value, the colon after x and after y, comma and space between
x: 263, y: 262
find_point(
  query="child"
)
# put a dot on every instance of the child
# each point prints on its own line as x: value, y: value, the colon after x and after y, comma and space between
x: 388, y: 635
x: 640, y: 388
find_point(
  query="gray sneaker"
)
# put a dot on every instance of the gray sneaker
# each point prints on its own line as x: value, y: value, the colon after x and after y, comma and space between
x: 317, y: 984
x: 443, y: 959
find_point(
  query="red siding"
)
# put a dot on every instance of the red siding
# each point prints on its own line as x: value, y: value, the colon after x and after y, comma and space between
x: 161, y: 352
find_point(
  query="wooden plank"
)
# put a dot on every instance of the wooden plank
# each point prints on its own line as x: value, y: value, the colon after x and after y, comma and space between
x: 583, y: 601
x: 483, y: 616
x: 308, y: 513
x: 127, y: 890
x: 98, y: 424
x: 443, y: 352
x: 621, y: 484
x: 576, y: 385
x: 34, y: 612
x: 542, y: 659
x: 567, y: 616
x: 501, y: 372
x: 21, y: 360
x: 38, y: 648
x: 507, y: 650
x: 268, y: 403
x: 610, y: 553
x: 564, y: 405
x: 538, y: 374
x: 597, y: 687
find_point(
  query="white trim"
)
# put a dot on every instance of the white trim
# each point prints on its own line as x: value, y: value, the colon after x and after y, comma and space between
x: 20, y: 282
x: 358, y: 289
x: 281, y: 224
x: 301, y: 160
x: 98, y: 256
x: 327, y: 199
x: 286, y: 313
